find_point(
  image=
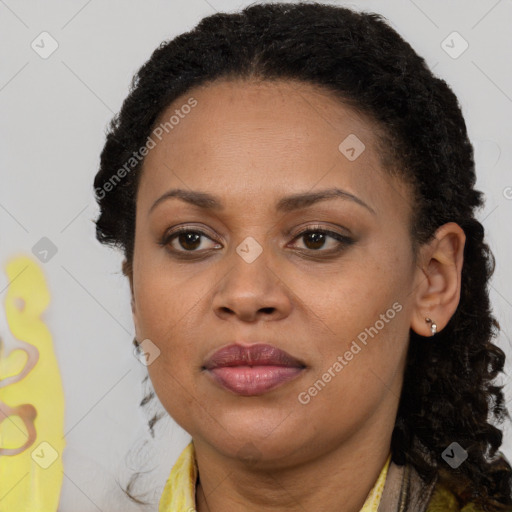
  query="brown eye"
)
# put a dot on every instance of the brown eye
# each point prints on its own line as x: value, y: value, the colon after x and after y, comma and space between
x: 185, y: 240
x: 189, y: 241
x: 315, y: 239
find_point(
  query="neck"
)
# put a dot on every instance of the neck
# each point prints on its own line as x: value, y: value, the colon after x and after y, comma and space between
x: 335, y: 479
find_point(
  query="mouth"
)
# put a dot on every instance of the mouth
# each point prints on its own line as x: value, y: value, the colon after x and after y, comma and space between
x: 252, y: 370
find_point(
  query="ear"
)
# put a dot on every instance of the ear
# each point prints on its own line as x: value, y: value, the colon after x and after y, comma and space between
x: 438, y: 279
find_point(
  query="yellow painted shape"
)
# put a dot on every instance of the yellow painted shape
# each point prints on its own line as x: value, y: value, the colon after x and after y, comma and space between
x: 13, y: 364
x: 31, y: 480
x: 13, y: 433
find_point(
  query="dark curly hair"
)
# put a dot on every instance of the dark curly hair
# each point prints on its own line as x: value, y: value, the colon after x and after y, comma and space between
x: 448, y: 393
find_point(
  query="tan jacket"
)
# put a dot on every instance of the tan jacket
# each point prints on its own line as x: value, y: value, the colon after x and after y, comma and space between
x: 405, y: 491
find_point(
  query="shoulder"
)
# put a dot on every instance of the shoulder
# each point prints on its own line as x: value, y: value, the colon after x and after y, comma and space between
x: 444, y: 500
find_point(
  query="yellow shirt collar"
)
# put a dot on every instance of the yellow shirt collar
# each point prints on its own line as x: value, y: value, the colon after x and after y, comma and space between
x: 180, y: 489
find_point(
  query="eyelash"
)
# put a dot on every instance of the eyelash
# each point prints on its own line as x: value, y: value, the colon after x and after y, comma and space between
x: 343, y: 241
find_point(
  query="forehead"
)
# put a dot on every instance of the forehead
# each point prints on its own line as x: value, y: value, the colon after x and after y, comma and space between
x: 295, y: 115
x: 263, y: 137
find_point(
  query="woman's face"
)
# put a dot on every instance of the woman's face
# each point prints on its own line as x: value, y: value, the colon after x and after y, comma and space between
x: 244, y: 275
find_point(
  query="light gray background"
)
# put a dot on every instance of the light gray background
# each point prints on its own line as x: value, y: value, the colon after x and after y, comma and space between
x: 53, y: 115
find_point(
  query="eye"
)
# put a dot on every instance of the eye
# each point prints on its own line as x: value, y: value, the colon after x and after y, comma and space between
x: 185, y: 240
x: 188, y: 239
x: 316, y: 238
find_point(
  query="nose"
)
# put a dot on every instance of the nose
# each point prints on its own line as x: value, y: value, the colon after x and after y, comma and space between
x: 252, y: 291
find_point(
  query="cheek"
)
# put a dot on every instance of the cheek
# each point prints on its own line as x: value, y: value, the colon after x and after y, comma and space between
x: 362, y: 316
x: 166, y: 299
x: 352, y: 295
x: 166, y: 315
x: 359, y: 368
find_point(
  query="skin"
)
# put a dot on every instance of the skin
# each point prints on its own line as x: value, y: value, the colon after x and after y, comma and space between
x: 251, y: 144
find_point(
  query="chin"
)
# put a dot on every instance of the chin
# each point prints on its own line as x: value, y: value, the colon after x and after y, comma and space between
x: 263, y: 440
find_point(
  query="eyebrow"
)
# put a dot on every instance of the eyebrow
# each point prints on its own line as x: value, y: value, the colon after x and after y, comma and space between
x: 286, y: 204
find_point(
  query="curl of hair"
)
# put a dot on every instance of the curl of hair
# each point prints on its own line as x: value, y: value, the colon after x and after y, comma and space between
x: 448, y: 392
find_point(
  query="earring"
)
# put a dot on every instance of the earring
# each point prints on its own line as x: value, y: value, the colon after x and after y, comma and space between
x: 433, y: 326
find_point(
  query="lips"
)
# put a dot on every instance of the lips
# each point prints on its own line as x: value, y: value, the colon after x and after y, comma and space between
x: 252, y: 370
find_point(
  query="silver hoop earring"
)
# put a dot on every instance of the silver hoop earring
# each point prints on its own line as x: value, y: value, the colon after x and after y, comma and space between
x: 433, y: 326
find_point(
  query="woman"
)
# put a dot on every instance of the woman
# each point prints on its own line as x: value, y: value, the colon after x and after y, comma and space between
x: 293, y: 191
